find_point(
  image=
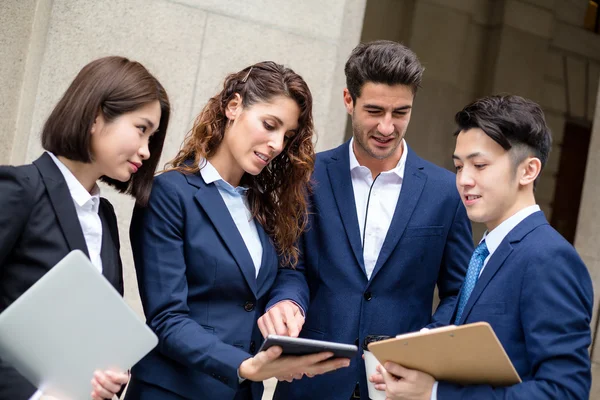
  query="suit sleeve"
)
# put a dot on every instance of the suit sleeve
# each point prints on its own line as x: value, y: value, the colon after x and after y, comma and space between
x: 291, y: 284
x: 555, y: 307
x: 457, y: 252
x: 16, y: 202
x: 157, y: 239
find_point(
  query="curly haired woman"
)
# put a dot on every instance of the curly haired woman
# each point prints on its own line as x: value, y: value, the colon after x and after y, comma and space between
x: 218, y: 224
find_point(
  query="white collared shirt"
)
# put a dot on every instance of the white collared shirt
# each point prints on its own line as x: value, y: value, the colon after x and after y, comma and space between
x: 236, y: 200
x: 376, y: 201
x: 497, y: 235
x: 87, y: 206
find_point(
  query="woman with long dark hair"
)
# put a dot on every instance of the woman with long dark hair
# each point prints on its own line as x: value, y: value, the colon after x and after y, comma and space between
x: 219, y: 222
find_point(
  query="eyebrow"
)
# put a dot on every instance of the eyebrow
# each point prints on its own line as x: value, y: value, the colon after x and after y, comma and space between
x: 276, y: 118
x: 280, y: 122
x: 376, y: 107
x: 470, y: 156
x: 150, y: 123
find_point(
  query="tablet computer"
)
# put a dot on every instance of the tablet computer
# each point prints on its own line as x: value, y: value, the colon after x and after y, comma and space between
x: 68, y: 324
x: 300, y: 346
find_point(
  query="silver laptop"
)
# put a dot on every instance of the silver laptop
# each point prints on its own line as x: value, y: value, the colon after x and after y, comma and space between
x: 69, y: 324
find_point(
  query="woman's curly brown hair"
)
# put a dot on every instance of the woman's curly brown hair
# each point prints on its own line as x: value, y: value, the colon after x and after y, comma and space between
x: 277, y: 196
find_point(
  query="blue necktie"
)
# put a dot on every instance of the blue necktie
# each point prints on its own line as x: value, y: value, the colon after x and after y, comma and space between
x: 475, y: 265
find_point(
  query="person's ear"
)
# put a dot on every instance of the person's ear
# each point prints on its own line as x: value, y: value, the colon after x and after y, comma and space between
x: 234, y: 107
x: 98, y: 123
x: 529, y: 170
x: 348, y: 102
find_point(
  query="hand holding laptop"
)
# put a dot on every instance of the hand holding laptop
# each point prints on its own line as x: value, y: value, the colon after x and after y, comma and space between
x: 108, y: 383
x: 105, y: 384
x: 61, y: 340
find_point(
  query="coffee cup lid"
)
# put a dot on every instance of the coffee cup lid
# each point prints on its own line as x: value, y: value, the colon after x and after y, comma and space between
x: 373, y: 338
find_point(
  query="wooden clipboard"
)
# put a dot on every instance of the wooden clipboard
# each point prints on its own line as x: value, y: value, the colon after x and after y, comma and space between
x: 467, y: 354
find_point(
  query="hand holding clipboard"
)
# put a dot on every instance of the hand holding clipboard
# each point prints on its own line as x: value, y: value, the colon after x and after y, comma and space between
x: 467, y: 354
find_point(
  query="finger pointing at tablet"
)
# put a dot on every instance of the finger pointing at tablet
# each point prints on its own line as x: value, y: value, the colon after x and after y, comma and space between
x: 284, y: 318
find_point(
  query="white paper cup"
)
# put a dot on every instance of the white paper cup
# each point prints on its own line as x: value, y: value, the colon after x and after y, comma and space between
x: 371, y: 364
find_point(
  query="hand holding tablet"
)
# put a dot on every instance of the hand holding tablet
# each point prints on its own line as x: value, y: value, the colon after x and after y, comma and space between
x: 299, y: 346
x: 290, y: 358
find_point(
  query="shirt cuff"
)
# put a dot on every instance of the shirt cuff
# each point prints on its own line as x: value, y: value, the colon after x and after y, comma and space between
x: 240, y: 379
x: 36, y: 395
x: 434, y: 391
x: 300, y: 308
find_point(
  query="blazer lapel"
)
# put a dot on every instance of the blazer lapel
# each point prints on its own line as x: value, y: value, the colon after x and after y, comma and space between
x: 412, y: 187
x: 341, y: 184
x: 499, y: 257
x: 62, y: 202
x: 109, y: 253
x: 490, y: 269
x: 211, y: 201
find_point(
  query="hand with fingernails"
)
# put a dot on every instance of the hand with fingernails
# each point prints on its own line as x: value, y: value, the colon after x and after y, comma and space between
x: 270, y: 363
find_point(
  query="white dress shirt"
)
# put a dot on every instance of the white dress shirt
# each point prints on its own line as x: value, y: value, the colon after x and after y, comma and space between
x: 493, y: 240
x: 236, y: 200
x: 376, y: 201
x: 86, y: 206
x: 497, y: 235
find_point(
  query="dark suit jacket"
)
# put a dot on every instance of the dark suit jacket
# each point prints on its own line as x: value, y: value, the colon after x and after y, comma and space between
x: 38, y: 227
x: 429, y: 242
x: 198, y: 288
x: 537, y: 295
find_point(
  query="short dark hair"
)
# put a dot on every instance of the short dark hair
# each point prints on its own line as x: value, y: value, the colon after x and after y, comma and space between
x: 115, y: 86
x: 515, y: 123
x: 382, y: 61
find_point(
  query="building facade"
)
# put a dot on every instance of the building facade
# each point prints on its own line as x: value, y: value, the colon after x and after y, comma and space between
x: 538, y: 49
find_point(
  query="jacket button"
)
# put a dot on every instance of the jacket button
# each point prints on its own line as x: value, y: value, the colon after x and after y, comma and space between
x: 252, y: 347
x: 368, y: 296
x: 249, y: 306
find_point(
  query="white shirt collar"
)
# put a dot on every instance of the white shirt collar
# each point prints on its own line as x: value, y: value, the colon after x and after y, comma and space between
x: 79, y: 194
x: 497, y: 235
x: 398, y: 169
x: 210, y: 174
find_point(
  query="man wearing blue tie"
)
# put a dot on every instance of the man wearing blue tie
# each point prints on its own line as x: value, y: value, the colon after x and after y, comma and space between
x: 524, y: 278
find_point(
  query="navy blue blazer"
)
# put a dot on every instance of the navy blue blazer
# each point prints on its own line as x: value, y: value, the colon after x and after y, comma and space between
x: 198, y: 289
x: 537, y: 295
x: 429, y: 242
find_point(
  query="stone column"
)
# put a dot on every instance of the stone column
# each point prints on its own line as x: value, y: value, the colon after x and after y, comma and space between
x: 189, y: 45
x: 23, y: 26
x: 586, y: 239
